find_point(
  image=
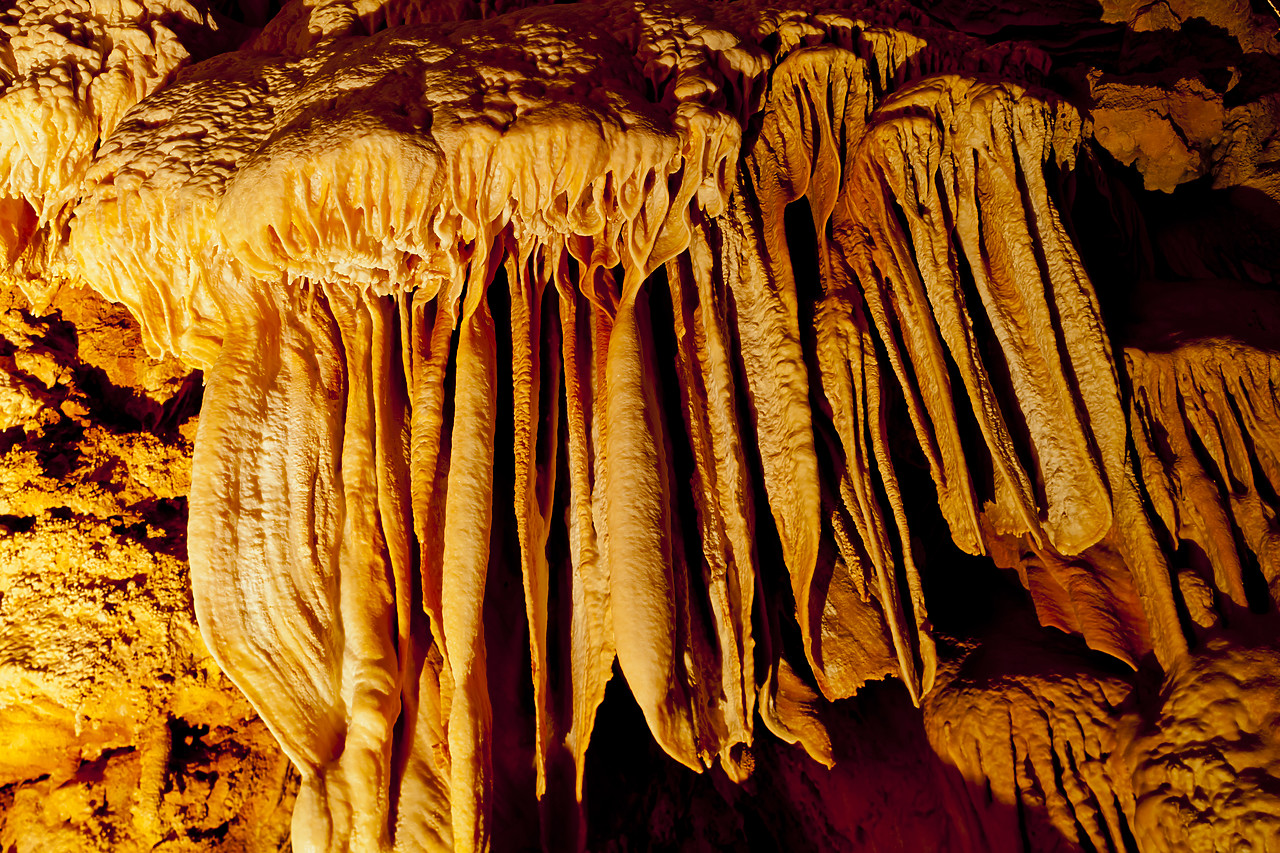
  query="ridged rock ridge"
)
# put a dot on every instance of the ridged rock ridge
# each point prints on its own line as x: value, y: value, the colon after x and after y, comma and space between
x: 725, y: 333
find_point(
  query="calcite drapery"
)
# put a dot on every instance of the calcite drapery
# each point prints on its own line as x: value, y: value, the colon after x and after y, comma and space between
x: 342, y: 226
x: 330, y: 499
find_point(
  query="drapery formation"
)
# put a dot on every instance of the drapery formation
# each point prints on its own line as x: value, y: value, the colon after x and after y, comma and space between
x: 558, y: 242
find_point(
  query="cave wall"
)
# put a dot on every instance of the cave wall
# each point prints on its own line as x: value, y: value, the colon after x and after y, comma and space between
x: 1007, y: 581
x: 119, y: 731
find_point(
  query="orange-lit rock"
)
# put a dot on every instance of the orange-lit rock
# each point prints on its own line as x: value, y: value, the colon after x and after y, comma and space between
x: 118, y: 729
x: 878, y: 376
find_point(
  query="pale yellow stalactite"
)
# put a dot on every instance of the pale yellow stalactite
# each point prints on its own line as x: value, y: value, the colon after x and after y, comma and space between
x: 268, y: 540
x: 724, y: 504
x: 1203, y: 416
x: 429, y: 448
x: 424, y: 812
x: 535, y: 483
x: 370, y: 673
x: 856, y: 648
x: 465, y: 561
x: 640, y: 544
x: 1040, y: 734
x: 777, y: 386
x: 591, y: 633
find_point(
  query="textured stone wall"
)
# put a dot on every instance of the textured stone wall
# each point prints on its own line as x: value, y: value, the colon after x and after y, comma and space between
x: 117, y: 731
x: 689, y: 426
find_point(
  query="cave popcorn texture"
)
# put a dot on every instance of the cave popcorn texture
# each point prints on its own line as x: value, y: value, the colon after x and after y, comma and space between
x: 348, y: 226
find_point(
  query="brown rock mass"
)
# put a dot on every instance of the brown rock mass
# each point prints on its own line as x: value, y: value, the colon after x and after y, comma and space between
x: 906, y: 375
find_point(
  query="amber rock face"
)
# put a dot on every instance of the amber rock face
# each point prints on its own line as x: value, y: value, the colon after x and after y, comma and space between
x: 619, y: 426
x: 119, y: 731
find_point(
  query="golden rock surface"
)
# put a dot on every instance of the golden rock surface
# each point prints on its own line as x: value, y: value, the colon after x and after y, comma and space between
x: 119, y: 731
x: 902, y: 379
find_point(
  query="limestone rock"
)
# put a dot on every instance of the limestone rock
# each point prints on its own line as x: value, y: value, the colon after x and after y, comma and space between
x: 750, y: 347
x: 118, y: 728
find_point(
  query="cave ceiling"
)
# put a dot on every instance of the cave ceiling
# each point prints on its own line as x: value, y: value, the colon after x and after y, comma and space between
x: 611, y: 425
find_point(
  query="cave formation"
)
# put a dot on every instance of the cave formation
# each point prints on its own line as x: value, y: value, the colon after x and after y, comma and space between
x: 729, y: 425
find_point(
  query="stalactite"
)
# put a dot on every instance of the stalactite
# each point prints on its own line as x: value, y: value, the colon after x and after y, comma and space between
x: 1038, y: 732
x: 1206, y: 412
x: 351, y: 220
